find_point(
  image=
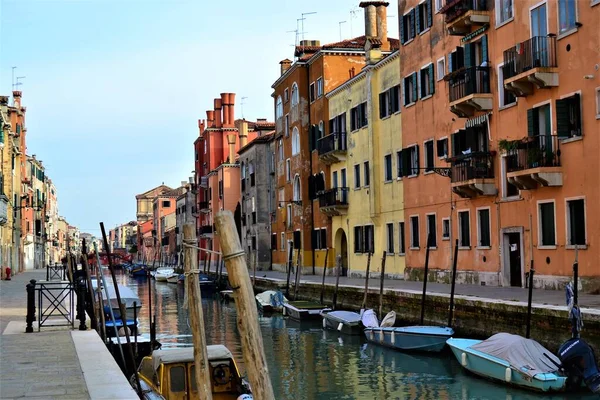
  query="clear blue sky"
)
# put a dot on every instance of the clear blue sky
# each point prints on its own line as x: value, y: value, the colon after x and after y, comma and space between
x: 114, y: 89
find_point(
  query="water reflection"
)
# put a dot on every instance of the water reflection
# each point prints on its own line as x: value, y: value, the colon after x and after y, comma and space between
x: 306, y: 362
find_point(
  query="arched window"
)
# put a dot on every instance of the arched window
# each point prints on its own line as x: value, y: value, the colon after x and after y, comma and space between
x: 297, y: 195
x: 321, y: 130
x: 243, y: 168
x: 322, y: 181
x: 279, y: 108
x: 251, y: 173
x: 295, y: 141
x: 295, y: 94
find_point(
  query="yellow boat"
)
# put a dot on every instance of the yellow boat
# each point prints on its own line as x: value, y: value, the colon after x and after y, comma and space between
x: 170, y: 375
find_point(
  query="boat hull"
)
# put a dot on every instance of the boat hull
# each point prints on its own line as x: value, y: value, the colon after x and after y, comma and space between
x: 413, y: 338
x: 497, y: 369
x: 304, y: 311
x: 342, y: 327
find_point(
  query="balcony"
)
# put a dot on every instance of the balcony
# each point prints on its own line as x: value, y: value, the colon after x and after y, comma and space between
x: 531, y: 63
x: 333, y: 202
x: 534, y: 161
x: 204, y: 207
x: 469, y: 91
x: 332, y: 148
x: 472, y: 175
x: 462, y: 16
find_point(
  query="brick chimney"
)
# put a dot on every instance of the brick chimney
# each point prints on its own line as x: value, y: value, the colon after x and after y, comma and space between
x: 370, y: 18
x: 231, y: 109
x: 218, y: 123
x: 382, y: 25
x: 201, y: 126
x: 210, y: 118
x: 231, y: 142
x: 242, y: 126
x: 285, y: 65
x: 17, y: 98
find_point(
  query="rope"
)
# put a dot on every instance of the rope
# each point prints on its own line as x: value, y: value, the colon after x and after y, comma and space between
x: 233, y: 255
x: 188, y: 243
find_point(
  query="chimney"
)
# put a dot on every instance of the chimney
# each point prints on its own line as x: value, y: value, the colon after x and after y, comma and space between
x: 210, y: 118
x: 231, y: 109
x: 231, y: 142
x: 201, y: 126
x: 382, y: 25
x: 261, y: 120
x: 285, y: 65
x: 370, y: 18
x: 242, y: 126
x: 218, y: 123
x: 352, y: 72
x: 3, y: 100
x: 225, y: 105
x: 17, y: 98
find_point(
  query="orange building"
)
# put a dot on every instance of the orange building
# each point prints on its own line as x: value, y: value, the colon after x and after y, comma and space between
x: 500, y: 125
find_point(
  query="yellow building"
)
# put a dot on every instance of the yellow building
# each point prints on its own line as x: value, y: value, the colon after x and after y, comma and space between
x: 366, y: 198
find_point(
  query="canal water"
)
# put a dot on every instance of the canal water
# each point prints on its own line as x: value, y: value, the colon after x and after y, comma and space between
x: 306, y: 362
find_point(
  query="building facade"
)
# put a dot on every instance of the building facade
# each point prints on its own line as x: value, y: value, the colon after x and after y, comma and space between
x: 513, y: 117
x: 186, y: 203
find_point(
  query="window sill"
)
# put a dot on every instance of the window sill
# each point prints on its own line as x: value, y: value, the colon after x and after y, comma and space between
x: 366, y: 187
x: 507, y: 106
x: 398, y: 179
x: 414, y: 248
x: 571, y: 139
x: 444, y: 157
x: 446, y: 238
x: 428, y: 172
x: 501, y: 24
x: 357, y: 188
x: 595, y: 3
x: 427, y: 97
x: 544, y: 247
x: 484, y: 247
x: 388, y: 181
x: 425, y: 31
x: 396, y: 112
x: 567, y: 33
x: 464, y: 247
x: 408, y: 41
x: 579, y: 246
x: 598, y: 115
x: 433, y: 248
x: 409, y: 105
x: 386, y: 117
x: 510, y: 199
x: 412, y: 176
x: 402, y: 254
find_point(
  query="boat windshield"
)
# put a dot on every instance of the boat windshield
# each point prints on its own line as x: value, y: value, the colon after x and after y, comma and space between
x: 177, y: 376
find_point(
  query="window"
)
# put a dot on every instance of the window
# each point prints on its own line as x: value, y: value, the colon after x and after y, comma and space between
x: 369, y: 239
x: 438, y: 5
x: 539, y: 123
x: 286, y: 95
x: 504, y: 11
x: 282, y: 241
x: 508, y: 189
x: 296, y: 188
x: 289, y: 216
x: 407, y: 27
x: 423, y: 16
x: 253, y: 242
x: 464, y: 229
x: 177, y: 379
x: 414, y: 160
x: 568, y: 117
x: 402, y: 238
x: 252, y: 175
x: 442, y: 148
x: 576, y: 233
x: 312, y: 92
x: 295, y: 141
x: 441, y: 68
x: 319, y: 238
x: 280, y: 149
x: 388, y: 168
x: 429, y: 156
x: 505, y: 97
x: 410, y: 89
x: 338, y: 124
x: 295, y: 96
x: 546, y: 224
x: 445, y: 228
x: 286, y: 127
x: 414, y: 232
x: 567, y: 15
x: 358, y: 239
x: 319, y: 87
x: 357, y: 176
x: 366, y: 171
x: 279, y: 108
x: 483, y: 227
x: 390, y: 238
x: 358, y: 116
x: 399, y: 164
x: 297, y: 239
x: 321, y: 132
x: 288, y: 170
x: 408, y: 161
x: 431, y: 230
x: 166, y: 203
x: 389, y: 102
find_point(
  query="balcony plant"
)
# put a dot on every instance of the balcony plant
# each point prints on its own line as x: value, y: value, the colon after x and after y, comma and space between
x: 508, y: 146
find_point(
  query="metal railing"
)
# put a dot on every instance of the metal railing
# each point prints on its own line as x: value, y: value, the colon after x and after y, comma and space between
x: 334, y: 197
x: 472, y: 166
x: 203, y: 230
x: 539, y: 51
x: 333, y: 142
x: 469, y: 81
x: 455, y: 8
x: 203, y: 205
x: 534, y: 152
x: 55, y: 299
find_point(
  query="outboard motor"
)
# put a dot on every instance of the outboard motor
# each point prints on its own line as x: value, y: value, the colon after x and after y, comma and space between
x: 579, y: 362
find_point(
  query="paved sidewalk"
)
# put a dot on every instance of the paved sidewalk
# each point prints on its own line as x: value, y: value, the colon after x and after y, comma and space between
x: 540, y: 296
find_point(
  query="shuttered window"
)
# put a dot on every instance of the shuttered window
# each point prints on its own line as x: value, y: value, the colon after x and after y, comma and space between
x: 414, y: 232
x: 547, y: 226
x: 427, y: 81
x: 576, y: 222
x: 464, y: 229
x: 568, y: 116
x: 483, y: 222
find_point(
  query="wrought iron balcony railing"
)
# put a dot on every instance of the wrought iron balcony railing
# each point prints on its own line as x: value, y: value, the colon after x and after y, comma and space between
x: 534, y: 152
x: 537, y: 52
x: 333, y: 142
x: 473, y: 166
x: 334, y: 197
x: 469, y: 81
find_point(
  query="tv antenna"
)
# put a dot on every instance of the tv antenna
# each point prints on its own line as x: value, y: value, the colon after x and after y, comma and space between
x: 353, y: 15
x: 242, y: 105
x: 13, y: 78
x: 302, y: 19
x: 17, y: 83
x: 340, y: 24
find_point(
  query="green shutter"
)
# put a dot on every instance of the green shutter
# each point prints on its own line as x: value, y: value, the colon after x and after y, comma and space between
x: 412, y: 23
x: 418, y: 162
x: 450, y: 62
x: 429, y: 13
x: 468, y: 59
x: 401, y: 26
x: 532, y: 122
x: 562, y: 117
x: 414, y: 89
x: 382, y: 113
x: 417, y: 12
x: 484, y: 47
x: 431, y: 80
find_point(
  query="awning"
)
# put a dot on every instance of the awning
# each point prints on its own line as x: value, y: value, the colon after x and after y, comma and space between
x: 479, y: 120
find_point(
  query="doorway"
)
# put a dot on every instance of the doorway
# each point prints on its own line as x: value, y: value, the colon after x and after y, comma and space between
x: 341, y: 243
x: 513, y: 259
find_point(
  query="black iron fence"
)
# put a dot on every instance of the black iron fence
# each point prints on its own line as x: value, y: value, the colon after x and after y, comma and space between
x: 455, y: 8
x: 473, y: 166
x: 539, y: 51
x: 533, y: 152
x: 333, y: 142
x: 469, y: 81
x: 334, y: 197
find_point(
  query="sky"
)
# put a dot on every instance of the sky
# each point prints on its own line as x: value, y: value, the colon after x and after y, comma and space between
x: 114, y: 89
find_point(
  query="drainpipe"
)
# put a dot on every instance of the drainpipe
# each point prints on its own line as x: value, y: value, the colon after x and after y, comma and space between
x: 312, y: 207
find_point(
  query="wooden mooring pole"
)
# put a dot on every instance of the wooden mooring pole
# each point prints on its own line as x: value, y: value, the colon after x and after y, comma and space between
x: 297, y: 279
x: 324, y: 272
x: 380, y: 311
x: 423, y: 297
x: 454, y: 264
x: 247, y: 314
x: 364, y: 302
x: 338, y: 267
x: 289, y: 270
x: 195, y: 312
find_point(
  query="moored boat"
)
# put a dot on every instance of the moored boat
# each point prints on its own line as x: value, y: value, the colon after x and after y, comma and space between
x: 162, y: 274
x: 347, y: 322
x: 304, y: 310
x: 128, y: 297
x: 270, y: 301
x: 168, y: 374
x: 410, y: 338
x: 173, y: 278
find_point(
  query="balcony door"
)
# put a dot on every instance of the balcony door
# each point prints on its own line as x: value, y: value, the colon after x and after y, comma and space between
x: 343, y: 194
x: 539, y: 31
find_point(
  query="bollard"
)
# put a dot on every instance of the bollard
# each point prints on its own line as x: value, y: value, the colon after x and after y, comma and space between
x: 30, y: 306
x: 80, y: 287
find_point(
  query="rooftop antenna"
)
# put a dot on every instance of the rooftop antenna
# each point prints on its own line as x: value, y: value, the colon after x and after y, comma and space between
x: 391, y: 16
x: 340, y: 24
x: 17, y: 83
x: 302, y: 19
x: 353, y: 15
x: 13, y: 77
x: 242, y: 105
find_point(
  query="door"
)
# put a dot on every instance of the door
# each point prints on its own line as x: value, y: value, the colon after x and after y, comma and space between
x: 539, y: 33
x: 177, y: 382
x: 344, y: 253
x: 514, y: 256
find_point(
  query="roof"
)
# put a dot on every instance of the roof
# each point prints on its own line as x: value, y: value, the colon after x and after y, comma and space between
x: 159, y: 188
x: 260, y: 139
x: 261, y: 125
x: 186, y: 354
x: 354, y: 43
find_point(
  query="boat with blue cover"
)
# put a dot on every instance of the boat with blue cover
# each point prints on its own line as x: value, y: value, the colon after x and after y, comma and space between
x: 347, y: 322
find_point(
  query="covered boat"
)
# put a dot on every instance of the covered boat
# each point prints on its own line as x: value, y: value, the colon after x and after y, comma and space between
x: 170, y: 374
x: 128, y: 297
x: 347, y: 322
x: 270, y: 301
x: 304, y: 310
x: 512, y: 359
x: 162, y: 274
